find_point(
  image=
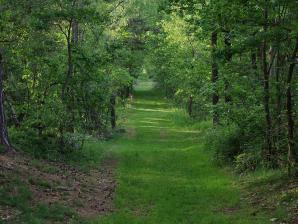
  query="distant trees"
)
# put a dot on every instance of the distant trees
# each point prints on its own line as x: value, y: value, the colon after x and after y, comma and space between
x: 64, y: 71
x: 250, y: 50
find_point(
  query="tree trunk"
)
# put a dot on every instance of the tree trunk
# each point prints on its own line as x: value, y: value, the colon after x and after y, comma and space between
x: 214, y: 78
x: 190, y: 106
x: 266, y: 88
x: 72, y: 40
x: 3, y: 128
x: 279, y: 63
x: 113, y: 111
x: 69, y: 65
x: 292, y: 154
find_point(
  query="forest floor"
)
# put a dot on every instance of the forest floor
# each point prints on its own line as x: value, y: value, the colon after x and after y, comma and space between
x: 39, y: 191
x: 157, y: 172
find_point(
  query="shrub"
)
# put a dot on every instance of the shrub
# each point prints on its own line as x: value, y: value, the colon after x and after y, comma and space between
x: 47, y: 144
x: 245, y: 162
x: 74, y: 141
x: 224, y: 142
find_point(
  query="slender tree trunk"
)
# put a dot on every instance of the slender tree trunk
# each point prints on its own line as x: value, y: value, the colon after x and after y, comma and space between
x: 292, y: 154
x: 190, y: 106
x: 69, y: 67
x: 266, y: 87
x: 75, y: 32
x: 113, y: 111
x: 65, y: 88
x: 267, y: 108
x: 214, y: 77
x: 279, y: 62
x: 75, y: 42
x: 72, y: 40
x: 3, y: 128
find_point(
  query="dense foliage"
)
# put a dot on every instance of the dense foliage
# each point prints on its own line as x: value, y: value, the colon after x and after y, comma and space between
x: 66, y: 65
x: 234, y: 61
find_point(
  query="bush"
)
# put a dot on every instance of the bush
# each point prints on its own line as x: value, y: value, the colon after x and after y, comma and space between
x: 224, y: 142
x: 74, y: 141
x: 28, y: 139
x: 46, y: 145
x: 246, y: 162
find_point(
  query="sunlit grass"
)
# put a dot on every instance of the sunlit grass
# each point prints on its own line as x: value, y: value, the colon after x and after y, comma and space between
x: 165, y: 174
x: 152, y: 110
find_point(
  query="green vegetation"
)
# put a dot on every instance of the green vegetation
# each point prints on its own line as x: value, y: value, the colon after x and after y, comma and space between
x: 190, y: 105
x: 161, y: 179
x: 234, y: 61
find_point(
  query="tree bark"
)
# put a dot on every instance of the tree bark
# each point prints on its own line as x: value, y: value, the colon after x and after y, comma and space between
x: 3, y: 128
x: 190, y: 106
x: 113, y: 111
x: 69, y: 62
x: 72, y: 38
x: 279, y: 63
x: 292, y: 154
x: 266, y: 88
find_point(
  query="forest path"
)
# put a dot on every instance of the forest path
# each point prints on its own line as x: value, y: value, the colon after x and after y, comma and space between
x: 166, y: 176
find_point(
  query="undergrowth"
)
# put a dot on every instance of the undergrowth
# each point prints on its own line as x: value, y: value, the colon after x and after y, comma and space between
x: 270, y: 189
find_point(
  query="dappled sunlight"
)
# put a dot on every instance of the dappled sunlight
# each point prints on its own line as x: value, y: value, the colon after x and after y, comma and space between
x: 213, y: 185
x: 176, y: 130
x: 152, y: 126
x: 144, y: 85
x: 150, y: 103
x: 152, y: 110
x: 149, y: 122
x: 157, y: 119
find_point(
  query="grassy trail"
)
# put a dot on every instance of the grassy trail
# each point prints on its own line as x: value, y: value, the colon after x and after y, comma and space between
x: 166, y: 176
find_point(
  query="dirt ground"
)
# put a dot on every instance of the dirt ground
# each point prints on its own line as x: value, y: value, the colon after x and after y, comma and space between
x: 90, y: 194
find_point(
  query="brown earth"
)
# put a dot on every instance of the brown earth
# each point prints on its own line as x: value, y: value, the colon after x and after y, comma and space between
x: 90, y: 193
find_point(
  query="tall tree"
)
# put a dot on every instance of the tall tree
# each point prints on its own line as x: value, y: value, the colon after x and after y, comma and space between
x: 3, y: 128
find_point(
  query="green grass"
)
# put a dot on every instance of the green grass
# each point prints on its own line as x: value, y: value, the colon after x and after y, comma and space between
x: 165, y: 174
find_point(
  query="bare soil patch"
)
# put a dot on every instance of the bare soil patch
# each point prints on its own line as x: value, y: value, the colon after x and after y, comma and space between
x: 90, y: 193
x: 269, y: 195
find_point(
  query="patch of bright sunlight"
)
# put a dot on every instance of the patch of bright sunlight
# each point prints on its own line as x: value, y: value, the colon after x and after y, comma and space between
x: 153, y: 110
x: 157, y: 119
x: 144, y: 85
x: 149, y: 103
x: 149, y: 122
x: 152, y: 176
x: 169, y: 129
